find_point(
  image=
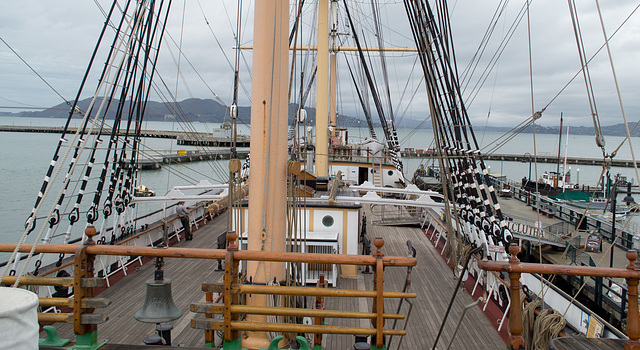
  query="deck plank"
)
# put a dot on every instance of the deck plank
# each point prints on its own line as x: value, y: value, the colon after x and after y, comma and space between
x: 433, y: 281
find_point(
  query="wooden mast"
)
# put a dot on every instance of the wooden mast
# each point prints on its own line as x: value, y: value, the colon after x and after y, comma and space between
x: 556, y: 179
x: 268, y: 179
x: 332, y: 71
x: 322, y: 91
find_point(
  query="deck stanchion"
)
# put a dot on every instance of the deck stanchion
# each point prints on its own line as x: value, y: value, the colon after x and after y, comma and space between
x: 317, y: 338
x: 208, y: 333
x: 633, y: 316
x: 230, y: 278
x: 516, y: 341
x: 86, y: 334
x: 378, y: 301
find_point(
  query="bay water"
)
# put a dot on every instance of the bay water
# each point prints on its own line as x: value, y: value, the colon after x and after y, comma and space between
x: 25, y: 158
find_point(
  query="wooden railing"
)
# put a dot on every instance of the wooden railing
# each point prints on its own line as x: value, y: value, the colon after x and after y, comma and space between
x: 232, y: 309
x: 83, y: 302
x: 514, y: 268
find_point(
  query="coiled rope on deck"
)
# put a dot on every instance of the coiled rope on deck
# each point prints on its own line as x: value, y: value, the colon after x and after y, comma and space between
x: 539, y: 330
x: 547, y: 327
x: 528, y: 321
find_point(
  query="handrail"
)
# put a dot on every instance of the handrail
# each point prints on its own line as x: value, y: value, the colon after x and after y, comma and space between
x: 201, y: 253
x: 83, y: 318
x: 631, y: 273
x: 83, y: 303
x: 39, y: 281
x: 286, y: 311
x: 303, y: 291
x: 231, y: 290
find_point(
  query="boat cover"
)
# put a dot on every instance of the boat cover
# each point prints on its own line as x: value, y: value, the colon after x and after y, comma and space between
x: 18, y: 319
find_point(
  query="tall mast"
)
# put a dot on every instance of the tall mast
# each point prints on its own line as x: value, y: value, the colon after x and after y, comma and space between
x: 332, y: 79
x: 556, y: 179
x: 268, y: 179
x: 564, y: 167
x: 322, y: 90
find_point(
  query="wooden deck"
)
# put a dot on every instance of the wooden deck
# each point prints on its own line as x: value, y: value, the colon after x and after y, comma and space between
x: 571, y: 343
x: 431, y: 279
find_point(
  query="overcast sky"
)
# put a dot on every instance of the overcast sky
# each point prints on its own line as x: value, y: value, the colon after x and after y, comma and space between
x: 57, y: 38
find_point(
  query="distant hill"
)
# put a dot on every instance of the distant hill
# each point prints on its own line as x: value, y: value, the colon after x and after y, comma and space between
x: 607, y: 130
x: 193, y: 109
x: 210, y: 111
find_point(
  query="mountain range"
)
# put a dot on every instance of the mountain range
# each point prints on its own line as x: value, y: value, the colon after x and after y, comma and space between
x: 210, y: 111
x: 192, y: 109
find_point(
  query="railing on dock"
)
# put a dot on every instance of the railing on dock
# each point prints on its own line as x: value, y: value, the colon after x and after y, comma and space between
x: 532, y: 231
x: 83, y: 303
x: 574, y: 215
x: 356, y: 153
x: 514, y: 268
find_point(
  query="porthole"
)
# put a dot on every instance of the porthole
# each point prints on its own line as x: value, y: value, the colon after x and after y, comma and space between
x: 327, y: 221
x: 390, y: 173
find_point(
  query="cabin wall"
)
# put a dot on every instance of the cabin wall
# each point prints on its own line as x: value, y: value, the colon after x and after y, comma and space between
x: 342, y: 221
x: 390, y: 175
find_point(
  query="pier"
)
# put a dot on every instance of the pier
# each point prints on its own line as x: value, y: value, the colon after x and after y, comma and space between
x: 185, y: 156
x: 555, y: 232
x: 546, y: 158
x: 183, y: 138
x: 607, y: 294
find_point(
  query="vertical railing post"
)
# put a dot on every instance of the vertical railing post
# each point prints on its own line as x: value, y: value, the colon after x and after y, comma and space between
x: 378, y: 301
x: 317, y: 338
x: 633, y: 316
x: 599, y: 290
x: 230, y: 278
x: 623, y: 301
x: 208, y: 333
x: 86, y: 334
x: 516, y: 341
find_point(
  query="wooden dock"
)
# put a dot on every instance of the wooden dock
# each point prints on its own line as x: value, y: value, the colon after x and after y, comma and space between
x: 183, y: 156
x: 183, y: 138
x: 208, y: 140
x: 431, y: 279
x: 623, y: 163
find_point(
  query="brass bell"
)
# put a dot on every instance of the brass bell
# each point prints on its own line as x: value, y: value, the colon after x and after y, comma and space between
x: 158, y: 305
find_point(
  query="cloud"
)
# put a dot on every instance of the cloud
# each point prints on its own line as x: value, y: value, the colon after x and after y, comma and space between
x: 57, y: 42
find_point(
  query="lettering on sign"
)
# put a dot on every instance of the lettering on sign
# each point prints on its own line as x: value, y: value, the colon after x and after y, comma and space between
x: 495, y: 248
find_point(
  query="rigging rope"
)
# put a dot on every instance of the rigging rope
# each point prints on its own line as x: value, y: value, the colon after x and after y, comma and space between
x: 389, y: 130
x: 457, y: 146
x: 35, y: 72
x: 587, y: 77
x: 31, y: 224
x: 142, y: 26
x: 615, y: 79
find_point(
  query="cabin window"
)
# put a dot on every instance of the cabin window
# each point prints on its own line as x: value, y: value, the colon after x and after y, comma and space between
x: 327, y: 221
x: 390, y: 173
